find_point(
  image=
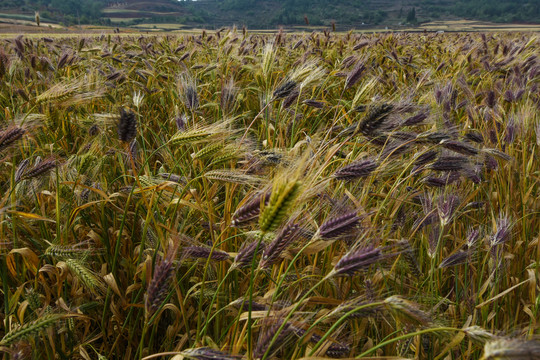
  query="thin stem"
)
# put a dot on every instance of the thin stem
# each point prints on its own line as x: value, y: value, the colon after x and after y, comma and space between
x: 339, y: 322
x: 250, y: 303
x: 406, y: 336
x: 210, y: 318
x: 253, y: 121
x: 290, y: 314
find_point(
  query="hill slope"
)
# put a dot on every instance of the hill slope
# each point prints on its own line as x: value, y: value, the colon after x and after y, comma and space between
x: 272, y: 13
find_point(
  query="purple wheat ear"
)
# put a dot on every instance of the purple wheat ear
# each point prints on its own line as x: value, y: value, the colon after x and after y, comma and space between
x: 502, y: 234
x: 457, y: 258
x: 273, y: 250
x: 357, y: 260
x: 335, y: 349
x: 449, y: 163
x: 460, y: 147
x: 9, y: 136
x: 250, y: 210
x: 41, y: 168
x: 159, y: 285
x: 246, y: 253
x: 181, y: 122
x: 127, y: 126
x: 447, y: 208
x: 284, y: 90
x: 356, y: 170
x: 192, y: 100
x: 266, y: 336
x: 341, y: 225
x: 355, y: 74
x: 202, y: 252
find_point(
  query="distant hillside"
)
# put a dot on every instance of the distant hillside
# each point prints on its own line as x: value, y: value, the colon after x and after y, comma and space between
x: 273, y: 13
x: 363, y: 12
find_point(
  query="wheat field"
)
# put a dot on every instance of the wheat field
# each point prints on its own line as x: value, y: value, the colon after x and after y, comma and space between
x: 229, y: 195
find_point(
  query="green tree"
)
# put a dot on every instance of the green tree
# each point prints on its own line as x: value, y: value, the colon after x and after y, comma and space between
x: 411, y: 16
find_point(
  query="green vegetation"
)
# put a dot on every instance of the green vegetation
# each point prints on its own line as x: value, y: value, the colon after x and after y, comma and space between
x: 67, y: 11
x: 497, y: 11
x: 411, y: 16
x: 223, y: 195
x: 272, y: 13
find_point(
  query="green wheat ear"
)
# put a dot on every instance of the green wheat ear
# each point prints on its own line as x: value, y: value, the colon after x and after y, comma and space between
x: 31, y: 328
x: 232, y: 176
x: 208, y: 150
x: 87, y: 278
x: 281, y: 201
x: 191, y: 137
x: 407, y: 311
x: 226, y: 154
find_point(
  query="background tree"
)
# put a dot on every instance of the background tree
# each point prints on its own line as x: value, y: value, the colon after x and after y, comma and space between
x: 411, y: 16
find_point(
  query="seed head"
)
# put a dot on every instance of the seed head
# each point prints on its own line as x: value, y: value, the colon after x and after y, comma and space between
x: 407, y: 311
x: 9, y: 136
x: 192, y: 99
x: 314, y: 103
x: 374, y: 120
x: 415, y: 120
x: 273, y: 250
x: 206, y: 353
x: 127, y: 126
x: 228, y: 95
x: 284, y: 90
x: 478, y: 334
x: 446, y: 208
x: 246, y: 253
x: 460, y: 147
x: 512, y: 349
x: 355, y: 74
x: 357, y: 260
x: 450, y: 163
x: 41, y: 168
x: 475, y: 136
x: 188, y: 88
x: 473, y: 235
x: 289, y: 100
x: 490, y: 99
x: 502, y: 234
x: 158, y: 287
x: 250, y: 210
x: 266, y: 336
x: 31, y: 328
x: 281, y: 200
x: 336, y: 227
x: 181, y: 122
x: 510, y: 132
x: 425, y: 158
x: 356, y: 170
x: 20, y: 169
x: 433, y: 137
x: 457, y: 258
